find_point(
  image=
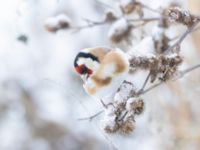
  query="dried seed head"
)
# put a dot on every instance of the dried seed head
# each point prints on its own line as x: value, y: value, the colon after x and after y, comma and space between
x: 127, y: 126
x: 111, y: 129
x: 53, y: 24
x: 128, y: 6
x: 179, y: 15
x: 164, y: 66
x: 109, y: 123
x: 136, y: 105
x: 110, y: 16
x: 119, y: 30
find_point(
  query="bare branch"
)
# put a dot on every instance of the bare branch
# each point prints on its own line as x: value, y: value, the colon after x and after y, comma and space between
x: 90, y: 24
x: 90, y: 118
x: 145, y: 83
x: 180, y: 75
x: 144, y: 19
x: 183, y: 36
x: 149, y: 8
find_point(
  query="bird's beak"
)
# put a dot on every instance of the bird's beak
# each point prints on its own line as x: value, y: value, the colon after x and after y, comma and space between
x: 84, y: 77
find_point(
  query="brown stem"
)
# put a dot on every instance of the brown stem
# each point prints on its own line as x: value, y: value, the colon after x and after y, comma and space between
x: 90, y: 118
x: 183, y: 36
x: 182, y: 73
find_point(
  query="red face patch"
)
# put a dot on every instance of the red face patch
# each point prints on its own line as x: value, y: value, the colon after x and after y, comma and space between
x: 82, y: 69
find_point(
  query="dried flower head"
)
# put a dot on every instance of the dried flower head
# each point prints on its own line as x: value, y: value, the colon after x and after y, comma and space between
x: 119, y: 30
x: 136, y: 105
x: 120, y: 114
x: 53, y: 24
x: 110, y: 16
x: 127, y: 126
x: 128, y: 6
x: 176, y: 14
x: 164, y: 66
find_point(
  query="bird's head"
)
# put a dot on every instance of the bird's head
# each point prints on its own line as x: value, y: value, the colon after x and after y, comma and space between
x: 86, y: 64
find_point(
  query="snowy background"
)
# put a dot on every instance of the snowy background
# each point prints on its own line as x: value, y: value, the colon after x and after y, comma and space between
x: 41, y: 97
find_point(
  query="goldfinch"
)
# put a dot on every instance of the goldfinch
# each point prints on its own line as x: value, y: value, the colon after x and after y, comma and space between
x: 102, y: 70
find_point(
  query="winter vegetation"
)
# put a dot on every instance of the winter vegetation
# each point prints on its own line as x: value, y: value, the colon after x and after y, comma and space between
x: 47, y: 100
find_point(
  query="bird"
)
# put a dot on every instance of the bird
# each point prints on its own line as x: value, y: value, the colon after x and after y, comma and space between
x: 102, y: 70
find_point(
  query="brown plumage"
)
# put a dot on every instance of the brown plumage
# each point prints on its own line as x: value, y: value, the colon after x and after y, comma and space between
x: 111, y: 64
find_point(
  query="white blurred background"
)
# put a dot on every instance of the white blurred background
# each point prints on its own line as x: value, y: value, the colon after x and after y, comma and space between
x: 41, y: 97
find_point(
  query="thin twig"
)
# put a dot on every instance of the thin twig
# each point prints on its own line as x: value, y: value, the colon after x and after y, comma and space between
x: 149, y: 8
x: 145, y: 83
x: 90, y: 118
x: 151, y: 87
x: 122, y: 118
x: 177, y: 36
x: 90, y: 24
x: 183, y: 36
x: 104, y: 4
x: 144, y: 19
x: 180, y: 75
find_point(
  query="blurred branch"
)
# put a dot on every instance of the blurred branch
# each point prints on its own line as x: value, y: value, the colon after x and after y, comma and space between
x: 144, y: 19
x: 90, y: 24
x: 90, y: 118
x: 149, y: 8
x: 145, y: 83
x: 183, y: 36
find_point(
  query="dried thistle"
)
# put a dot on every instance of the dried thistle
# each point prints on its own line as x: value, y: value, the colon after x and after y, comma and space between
x: 164, y: 66
x: 110, y: 16
x: 127, y: 126
x: 119, y: 30
x: 128, y: 6
x: 176, y: 14
x: 53, y: 24
x: 119, y: 116
x: 136, y: 105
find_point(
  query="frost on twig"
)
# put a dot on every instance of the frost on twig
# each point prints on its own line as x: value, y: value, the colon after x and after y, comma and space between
x: 120, y: 114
